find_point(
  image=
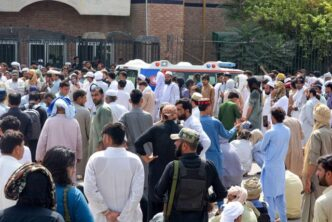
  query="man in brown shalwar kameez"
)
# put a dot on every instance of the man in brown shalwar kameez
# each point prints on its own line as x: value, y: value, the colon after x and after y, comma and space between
x: 319, y: 144
x: 294, y: 158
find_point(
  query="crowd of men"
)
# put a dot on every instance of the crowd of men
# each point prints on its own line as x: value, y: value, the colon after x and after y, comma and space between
x: 180, y: 151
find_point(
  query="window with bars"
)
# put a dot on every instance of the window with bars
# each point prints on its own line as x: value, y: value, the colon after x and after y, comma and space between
x: 50, y: 52
x: 8, y: 51
x: 93, y: 51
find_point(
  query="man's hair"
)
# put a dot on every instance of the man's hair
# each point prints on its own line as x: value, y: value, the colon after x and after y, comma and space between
x: 79, y: 93
x: 64, y: 83
x: 10, y: 123
x: 299, y: 79
x: 203, y: 107
x: 10, y: 140
x: 189, y: 83
x: 122, y: 83
x: 197, y: 76
x: 49, y: 95
x: 57, y: 160
x: 186, y: 104
x: 328, y: 85
x: 95, y: 88
x: 3, y: 64
x: 136, y: 96
x: 143, y: 83
x: 34, y: 96
x: 279, y: 114
x: 116, y: 131
x: 326, y: 162
x: 14, y: 99
x: 123, y: 73
x: 111, y: 75
x: 233, y: 95
x: 206, y: 77
x: 248, y: 73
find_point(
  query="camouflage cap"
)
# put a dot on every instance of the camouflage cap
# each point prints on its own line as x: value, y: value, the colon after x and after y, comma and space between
x: 188, y: 135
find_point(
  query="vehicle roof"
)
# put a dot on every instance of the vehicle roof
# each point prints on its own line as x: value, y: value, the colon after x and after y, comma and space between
x: 164, y: 65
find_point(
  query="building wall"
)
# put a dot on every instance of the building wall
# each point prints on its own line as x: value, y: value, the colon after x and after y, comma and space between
x: 179, y: 26
x: 193, y: 31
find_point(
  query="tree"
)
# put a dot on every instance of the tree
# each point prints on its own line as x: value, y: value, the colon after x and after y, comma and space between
x: 249, y: 46
x: 309, y: 22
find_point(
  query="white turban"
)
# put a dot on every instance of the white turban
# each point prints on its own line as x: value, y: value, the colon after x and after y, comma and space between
x: 62, y: 102
x: 230, y: 84
x: 242, y: 81
x: 232, y: 211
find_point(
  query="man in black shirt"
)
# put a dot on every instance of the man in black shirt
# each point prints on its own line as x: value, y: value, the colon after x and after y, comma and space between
x: 195, y: 176
x: 163, y: 152
x: 14, y: 100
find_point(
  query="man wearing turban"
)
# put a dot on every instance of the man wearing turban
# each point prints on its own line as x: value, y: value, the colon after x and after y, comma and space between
x: 319, y: 144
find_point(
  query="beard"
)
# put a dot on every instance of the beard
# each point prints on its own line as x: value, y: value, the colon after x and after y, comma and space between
x: 267, y: 93
x: 322, y: 181
x: 182, y: 117
x: 97, y: 102
x: 178, y: 151
x: 167, y: 82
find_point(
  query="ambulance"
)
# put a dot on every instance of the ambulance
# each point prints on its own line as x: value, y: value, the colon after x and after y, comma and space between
x: 183, y: 70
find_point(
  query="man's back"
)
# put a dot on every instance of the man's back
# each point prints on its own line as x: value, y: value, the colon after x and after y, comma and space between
x: 228, y: 114
x: 114, y: 179
x: 59, y: 130
x: 8, y: 165
x: 136, y: 122
x: 24, y: 118
x: 123, y: 99
x: 192, y: 163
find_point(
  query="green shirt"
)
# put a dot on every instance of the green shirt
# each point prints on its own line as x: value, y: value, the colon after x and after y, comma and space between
x: 228, y: 113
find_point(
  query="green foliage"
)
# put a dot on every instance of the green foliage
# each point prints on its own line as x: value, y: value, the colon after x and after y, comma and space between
x: 250, y: 46
x: 309, y: 22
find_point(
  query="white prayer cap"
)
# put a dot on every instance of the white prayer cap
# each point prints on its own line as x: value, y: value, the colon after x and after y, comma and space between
x: 271, y: 84
x: 98, y: 76
x: 89, y: 74
x: 68, y: 63
x: 196, y: 96
x: 53, y: 71
x: 25, y: 69
x: 267, y: 77
x: 141, y: 77
x: 327, y: 75
x: 111, y: 92
x: 61, y: 104
x: 232, y: 211
x: 169, y: 73
x: 288, y: 80
x: 15, y: 64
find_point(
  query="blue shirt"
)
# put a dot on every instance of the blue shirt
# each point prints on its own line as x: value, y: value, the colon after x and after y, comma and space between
x: 215, y: 129
x: 78, y: 207
x: 275, y: 147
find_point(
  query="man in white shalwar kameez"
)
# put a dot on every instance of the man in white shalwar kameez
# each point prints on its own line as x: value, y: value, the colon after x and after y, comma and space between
x: 114, y: 179
x: 117, y: 109
x: 158, y: 92
x: 171, y: 92
x: 86, y: 86
x: 307, y: 114
x: 299, y: 98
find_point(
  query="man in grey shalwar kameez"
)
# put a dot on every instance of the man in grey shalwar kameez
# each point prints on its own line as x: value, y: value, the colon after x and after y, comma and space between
x: 83, y: 117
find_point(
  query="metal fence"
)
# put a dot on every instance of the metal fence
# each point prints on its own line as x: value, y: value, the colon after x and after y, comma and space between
x: 199, y: 52
x: 27, y: 46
